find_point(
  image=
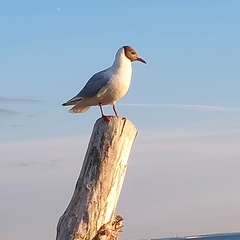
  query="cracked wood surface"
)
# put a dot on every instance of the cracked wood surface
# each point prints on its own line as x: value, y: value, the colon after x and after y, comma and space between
x: 93, y: 204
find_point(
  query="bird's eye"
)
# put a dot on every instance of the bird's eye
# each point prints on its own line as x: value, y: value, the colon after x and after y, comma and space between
x: 132, y: 52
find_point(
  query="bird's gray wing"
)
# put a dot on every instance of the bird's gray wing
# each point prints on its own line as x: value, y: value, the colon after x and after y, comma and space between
x: 94, y: 84
x: 92, y: 87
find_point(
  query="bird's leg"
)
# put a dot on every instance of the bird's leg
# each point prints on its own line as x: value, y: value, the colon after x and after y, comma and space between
x: 104, y: 117
x: 100, y: 105
x: 114, y: 109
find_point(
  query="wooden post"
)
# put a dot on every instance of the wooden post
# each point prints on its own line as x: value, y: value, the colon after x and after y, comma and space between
x: 90, y: 214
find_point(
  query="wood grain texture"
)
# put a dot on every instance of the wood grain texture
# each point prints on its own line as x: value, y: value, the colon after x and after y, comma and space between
x: 91, y: 211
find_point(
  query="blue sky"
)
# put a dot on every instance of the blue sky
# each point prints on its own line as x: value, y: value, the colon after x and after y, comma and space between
x: 182, y: 177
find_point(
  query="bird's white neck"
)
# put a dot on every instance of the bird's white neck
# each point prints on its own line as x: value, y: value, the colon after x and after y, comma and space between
x: 121, y: 60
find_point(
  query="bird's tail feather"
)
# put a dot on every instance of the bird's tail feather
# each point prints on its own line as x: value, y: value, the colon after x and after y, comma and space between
x: 79, y: 108
x: 73, y: 101
x: 68, y: 103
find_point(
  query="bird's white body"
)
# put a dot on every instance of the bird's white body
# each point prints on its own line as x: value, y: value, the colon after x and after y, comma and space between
x: 119, y: 75
x: 105, y: 87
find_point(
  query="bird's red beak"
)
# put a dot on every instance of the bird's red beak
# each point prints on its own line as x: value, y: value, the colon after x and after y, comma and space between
x: 141, y: 60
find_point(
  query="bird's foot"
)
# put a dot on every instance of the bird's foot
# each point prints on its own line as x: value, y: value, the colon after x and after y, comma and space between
x: 106, y: 118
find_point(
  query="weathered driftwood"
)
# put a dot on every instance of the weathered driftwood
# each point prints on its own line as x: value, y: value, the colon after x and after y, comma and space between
x: 90, y: 214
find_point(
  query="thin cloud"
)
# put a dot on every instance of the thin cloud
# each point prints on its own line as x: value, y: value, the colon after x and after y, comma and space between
x: 51, y: 163
x: 35, y: 115
x: 7, y: 112
x: 23, y: 153
x: 25, y: 100
x: 16, y: 125
x: 184, y: 106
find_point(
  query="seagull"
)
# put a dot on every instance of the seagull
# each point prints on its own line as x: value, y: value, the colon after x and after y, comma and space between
x: 107, y: 86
